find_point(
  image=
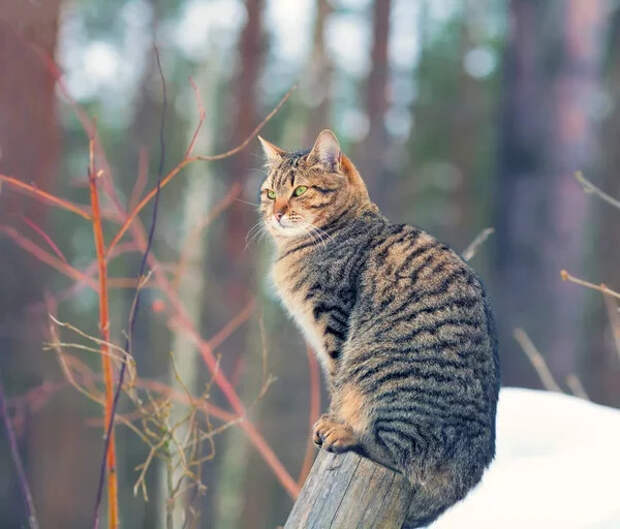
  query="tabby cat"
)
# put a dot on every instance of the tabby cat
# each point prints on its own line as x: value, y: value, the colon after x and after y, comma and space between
x: 400, y: 323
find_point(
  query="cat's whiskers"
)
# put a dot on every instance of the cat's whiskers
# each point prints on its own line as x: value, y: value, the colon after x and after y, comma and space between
x: 255, y: 233
x: 253, y: 229
x: 303, y: 228
x: 255, y: 204
x: 307, y: 227
x: 258, y: 234
x: 319, y: 234
x: 309, y: 232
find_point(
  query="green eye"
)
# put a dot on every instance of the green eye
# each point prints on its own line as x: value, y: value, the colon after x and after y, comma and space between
x: 300, y: 190
x: 271, y: 194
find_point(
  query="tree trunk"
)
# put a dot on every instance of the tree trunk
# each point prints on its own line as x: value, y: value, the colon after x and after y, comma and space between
x: 601, y: 373
x: 375, y: 146
x: 319, y: 78
x: 236, y: 262
x: 346, y: 491
x: 184, y: 373
x: 29, y: 148
x: 551, y: 80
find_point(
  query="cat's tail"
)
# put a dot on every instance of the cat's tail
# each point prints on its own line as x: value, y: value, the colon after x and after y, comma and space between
x: 425, y: 508
x: 432, y: 496
x: 429, y: 502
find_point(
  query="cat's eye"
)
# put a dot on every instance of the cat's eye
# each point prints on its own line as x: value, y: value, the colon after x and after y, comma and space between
x: 271, y: 194
x: 300, y: 190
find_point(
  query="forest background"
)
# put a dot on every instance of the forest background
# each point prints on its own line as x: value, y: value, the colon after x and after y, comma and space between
x: 460, y: 115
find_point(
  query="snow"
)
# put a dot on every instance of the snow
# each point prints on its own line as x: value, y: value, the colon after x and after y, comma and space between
x: 557, y: 466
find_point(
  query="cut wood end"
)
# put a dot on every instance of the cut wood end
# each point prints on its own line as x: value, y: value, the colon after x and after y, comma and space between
x: 344, y: 491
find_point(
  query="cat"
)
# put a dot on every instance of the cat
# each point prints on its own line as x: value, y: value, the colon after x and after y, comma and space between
x: 400, y: 323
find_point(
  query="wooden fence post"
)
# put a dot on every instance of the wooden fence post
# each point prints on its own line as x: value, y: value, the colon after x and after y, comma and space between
x: 347, y: 491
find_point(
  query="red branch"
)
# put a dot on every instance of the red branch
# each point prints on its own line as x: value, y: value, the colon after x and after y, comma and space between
x: 143, y: 170
x: 104, y: 324
x: 217, y: 340
x: 48, y: 258
x: 187, y: 160
x: 138, y: 232
x: 43, y: 196
x: 46, y: 238
x: 315, y: 408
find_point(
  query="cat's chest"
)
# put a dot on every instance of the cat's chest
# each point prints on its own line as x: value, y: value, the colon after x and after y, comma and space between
x: 300, y: 306
x: 302, y: 289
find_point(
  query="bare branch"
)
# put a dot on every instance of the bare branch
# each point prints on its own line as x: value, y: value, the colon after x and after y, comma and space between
x: 589, y: 187
x: 480, y: 239
x: 537, y: 360
x: 613, y: 311
x: 176, y: 170
x: 576, y: 387
x: 601, y: 288
x: 17, y: 461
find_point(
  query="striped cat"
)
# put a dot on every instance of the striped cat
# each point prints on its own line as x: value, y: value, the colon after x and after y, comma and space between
x: 399, y: 322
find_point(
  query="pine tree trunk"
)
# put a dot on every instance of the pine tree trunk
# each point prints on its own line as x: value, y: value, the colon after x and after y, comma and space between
x: 319, y: 78
x: 374, y: 151
x: 236, y: 262
x: 601, y: 373
x: 550, y: 81
x: 197, y: 199
x: 29, y: 150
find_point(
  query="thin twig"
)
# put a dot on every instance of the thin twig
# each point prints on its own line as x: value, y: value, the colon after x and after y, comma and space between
x: 589, y: 187
x: 194, y: 234
x: 537, y: 360
x: 143, y: 169
x: 184, y: 322
x: 201, y: 118
x: 576, y: 387
x: 17, y: 461
x: 48, y: 258
x: 601, y: 288
x: 87, y: 123
x: 171, y: 393
x: 131, y: 216
x: 471, y: 250
x: 232, y: 325
x: 35, y: 227
x: 43, y: 196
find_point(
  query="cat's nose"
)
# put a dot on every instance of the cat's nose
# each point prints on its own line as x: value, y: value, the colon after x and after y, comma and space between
x: 279, y: 210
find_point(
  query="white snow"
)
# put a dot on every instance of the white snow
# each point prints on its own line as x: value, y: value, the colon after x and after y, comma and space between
x: 557, y: 466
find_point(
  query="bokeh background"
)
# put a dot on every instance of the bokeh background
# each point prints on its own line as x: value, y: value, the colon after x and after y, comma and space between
x: 460, y: 115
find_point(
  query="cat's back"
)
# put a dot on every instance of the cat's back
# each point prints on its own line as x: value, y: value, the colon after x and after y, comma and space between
x: 423, y: 323
x: 414, y: 284
x: 423, y: 351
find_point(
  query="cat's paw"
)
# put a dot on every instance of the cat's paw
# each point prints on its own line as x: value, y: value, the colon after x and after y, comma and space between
x: 333, y: 436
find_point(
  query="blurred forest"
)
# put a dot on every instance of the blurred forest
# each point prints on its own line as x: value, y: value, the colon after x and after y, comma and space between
x: 460, y: 115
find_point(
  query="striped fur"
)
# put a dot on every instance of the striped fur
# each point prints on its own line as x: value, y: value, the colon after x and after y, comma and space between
x: 399, y: 321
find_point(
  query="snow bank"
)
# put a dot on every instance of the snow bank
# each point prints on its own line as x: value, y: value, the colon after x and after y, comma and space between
x: 557, y: 466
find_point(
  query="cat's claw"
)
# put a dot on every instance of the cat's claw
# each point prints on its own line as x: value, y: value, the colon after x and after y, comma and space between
x: 333, y: 436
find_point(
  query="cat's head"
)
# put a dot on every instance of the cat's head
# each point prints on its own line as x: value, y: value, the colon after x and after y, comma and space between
x: 306, y: 191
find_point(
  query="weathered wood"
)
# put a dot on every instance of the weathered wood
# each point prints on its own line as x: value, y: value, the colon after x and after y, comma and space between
x: 346, y: 491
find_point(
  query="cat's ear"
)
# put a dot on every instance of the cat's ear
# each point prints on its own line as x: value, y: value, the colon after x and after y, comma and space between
x: 272, y: 152
x: 327, y: 150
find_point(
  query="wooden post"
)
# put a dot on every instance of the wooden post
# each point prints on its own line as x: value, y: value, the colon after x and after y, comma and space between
x: 346, y: 491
